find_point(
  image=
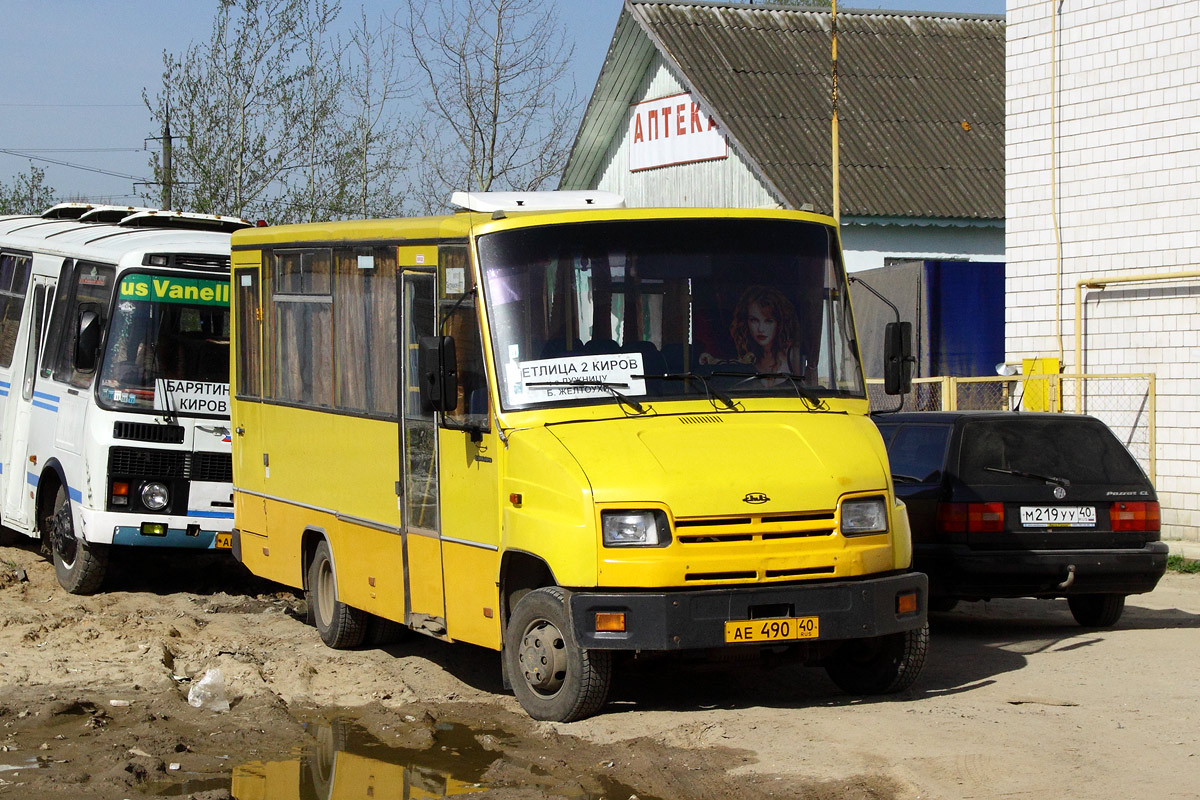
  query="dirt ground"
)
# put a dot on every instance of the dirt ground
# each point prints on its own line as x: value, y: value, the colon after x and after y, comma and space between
x: 1016, y: 701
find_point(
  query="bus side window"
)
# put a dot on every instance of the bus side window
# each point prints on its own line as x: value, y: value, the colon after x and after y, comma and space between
x: 14, y: 278
x: 87, y: 283
x: 462, y: 325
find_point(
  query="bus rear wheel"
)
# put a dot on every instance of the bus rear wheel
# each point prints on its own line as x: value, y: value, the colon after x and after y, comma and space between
x: 553, y: 677
x: 80, y: 566
x: 341, y: 627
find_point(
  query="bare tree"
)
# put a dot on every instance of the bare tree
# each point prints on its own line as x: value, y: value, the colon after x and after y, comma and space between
x: 27, y: 194
x: 498, y: 105
x: 376, y: 151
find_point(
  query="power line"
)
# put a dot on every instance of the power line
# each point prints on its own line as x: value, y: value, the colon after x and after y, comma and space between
x: 71, y: 105
x: 81, y: 149
x: 83, y: 167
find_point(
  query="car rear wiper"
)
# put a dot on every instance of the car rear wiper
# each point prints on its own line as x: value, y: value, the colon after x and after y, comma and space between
x: 814, y: 403
x: 607, y: 386
x: 1032, y: 476
x: 708, y: 390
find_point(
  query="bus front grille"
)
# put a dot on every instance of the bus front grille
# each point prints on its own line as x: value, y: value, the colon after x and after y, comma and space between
x: 212, y: 467
x: 753, y: 527
x: 164, y: 464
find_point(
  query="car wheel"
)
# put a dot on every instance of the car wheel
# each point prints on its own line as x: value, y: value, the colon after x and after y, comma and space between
x: 552, y: 676
x: 79, y: 566
x: 341, y: 627
x: 1097, y: 610
x: 880, y: 665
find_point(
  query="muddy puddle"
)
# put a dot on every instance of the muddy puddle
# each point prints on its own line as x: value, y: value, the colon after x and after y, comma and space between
x: 340, y: 759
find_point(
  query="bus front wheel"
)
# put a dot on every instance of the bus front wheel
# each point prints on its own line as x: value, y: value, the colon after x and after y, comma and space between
x: 880, y: 665
x: 553, y: 677
x: 341, y: 627
x: 80, y: 566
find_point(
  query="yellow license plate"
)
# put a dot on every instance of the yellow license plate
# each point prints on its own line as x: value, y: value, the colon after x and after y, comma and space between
x: 772, y: 630
x: 224, y: 541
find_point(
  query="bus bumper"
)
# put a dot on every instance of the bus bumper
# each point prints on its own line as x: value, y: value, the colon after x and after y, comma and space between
x: 697, y: 618
x: 192, y: 537
x: 175, y: 531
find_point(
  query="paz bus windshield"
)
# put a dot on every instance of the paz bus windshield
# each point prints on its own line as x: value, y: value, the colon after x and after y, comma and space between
x: 663, y: 309
x: 168, y: 346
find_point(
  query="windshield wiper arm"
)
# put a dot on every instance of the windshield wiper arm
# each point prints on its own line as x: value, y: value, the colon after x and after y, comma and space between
x: 815, y: 403
x: 607, y: 386
x: 708, y: 390
x: 1031, y: 475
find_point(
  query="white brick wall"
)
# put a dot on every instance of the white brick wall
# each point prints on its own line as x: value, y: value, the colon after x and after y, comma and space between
x: 1128, y: 185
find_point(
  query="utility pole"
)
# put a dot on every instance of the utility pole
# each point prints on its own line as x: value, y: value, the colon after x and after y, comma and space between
x: 168, y: 178
x: 837, y: 204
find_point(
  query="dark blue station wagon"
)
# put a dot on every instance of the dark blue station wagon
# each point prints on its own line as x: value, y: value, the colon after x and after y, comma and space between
x: 1009, y: 504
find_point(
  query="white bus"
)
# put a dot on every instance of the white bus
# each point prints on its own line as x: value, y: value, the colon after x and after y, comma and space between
x: 114, y: 383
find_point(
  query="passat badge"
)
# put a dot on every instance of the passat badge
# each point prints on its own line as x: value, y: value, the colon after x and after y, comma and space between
x: 755, y: 498
x: 1060, y: 492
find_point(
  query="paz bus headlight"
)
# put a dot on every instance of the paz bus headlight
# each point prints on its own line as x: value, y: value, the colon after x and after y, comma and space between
x: 155, y: 496
x: 864, y: 516
x: 635, y: 529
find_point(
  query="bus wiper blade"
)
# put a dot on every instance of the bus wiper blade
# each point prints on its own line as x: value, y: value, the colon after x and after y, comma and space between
x: 607, y: 386
x: 708, y: 390
x: 814, y: 403
x: 1031, y: 475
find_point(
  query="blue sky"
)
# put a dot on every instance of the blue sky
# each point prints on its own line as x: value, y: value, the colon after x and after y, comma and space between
x: 76, y: 69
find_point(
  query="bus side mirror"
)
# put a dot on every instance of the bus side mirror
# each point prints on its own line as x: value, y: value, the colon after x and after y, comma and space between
x: 87, y: 338
x: 436, y: 360
x: 897, y: 358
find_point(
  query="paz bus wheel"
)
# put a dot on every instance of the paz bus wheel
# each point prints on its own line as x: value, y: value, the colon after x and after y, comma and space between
x: 341, y: 627
x: 552, y: 676
x: 80, y: 566
x: 880, y: 665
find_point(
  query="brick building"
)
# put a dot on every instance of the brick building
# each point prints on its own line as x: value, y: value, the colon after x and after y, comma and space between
x: 1103, y: 184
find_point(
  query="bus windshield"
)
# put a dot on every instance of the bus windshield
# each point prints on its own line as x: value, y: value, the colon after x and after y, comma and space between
x: 668, y: 308
x: 169, y: 335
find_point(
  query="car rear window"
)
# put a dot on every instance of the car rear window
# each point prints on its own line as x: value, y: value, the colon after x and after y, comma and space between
x: 916, y: 452
x: 1079, y: 450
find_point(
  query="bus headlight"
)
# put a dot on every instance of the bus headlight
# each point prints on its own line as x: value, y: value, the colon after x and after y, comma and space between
x: 155, y: 496
x: 635, y: 529
x: 864, y: 516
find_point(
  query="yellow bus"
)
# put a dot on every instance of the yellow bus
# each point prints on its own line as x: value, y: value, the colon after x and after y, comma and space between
x: 571, y: 431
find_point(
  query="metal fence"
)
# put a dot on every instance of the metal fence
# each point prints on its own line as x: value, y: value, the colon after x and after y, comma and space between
x: 1124, y: 402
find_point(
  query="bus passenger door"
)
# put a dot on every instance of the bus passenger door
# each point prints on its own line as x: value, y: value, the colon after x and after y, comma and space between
x: 418, y: 488
x: 18, y: 511
x: 468, y: 452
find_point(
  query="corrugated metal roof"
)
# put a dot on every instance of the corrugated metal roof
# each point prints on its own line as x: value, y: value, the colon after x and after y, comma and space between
x: 921, y: 101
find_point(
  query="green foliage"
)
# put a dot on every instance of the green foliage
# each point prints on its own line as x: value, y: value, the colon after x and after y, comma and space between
x: 1176, y: 563
x: 287, y: 114
x: 27, y: 194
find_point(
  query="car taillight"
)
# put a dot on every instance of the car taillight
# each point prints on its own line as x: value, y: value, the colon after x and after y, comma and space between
x: 1134, y: 516
x: 971, y: 517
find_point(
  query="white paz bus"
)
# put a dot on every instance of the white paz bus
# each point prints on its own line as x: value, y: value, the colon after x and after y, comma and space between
x: 114, y: 383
